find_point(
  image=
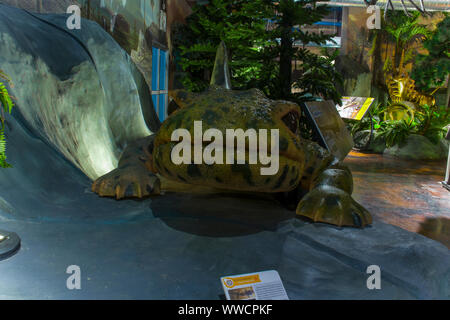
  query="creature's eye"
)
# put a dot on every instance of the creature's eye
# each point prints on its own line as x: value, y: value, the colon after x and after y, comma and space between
x: 291, y: 120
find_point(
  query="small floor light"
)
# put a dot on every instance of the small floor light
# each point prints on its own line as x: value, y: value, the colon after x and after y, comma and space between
x: 9, y: 244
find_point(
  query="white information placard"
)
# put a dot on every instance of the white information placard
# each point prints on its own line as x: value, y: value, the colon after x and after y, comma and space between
x: 354, y: 107
x: 266, y: 285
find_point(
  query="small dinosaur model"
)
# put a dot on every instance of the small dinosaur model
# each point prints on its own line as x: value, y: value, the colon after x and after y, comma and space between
x: 304, y: 166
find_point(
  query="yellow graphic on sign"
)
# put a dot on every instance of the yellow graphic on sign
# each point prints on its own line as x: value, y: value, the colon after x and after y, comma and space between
x: 239, y: 281
x: 364, y: 108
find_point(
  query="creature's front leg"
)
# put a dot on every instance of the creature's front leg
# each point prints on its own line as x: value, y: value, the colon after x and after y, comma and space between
x: 134, y: 177
x: 329, y: 200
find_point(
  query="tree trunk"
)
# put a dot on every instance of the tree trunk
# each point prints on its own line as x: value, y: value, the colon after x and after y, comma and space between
x: 448, y: 92
x: 286, y: 63
x: 377, y: 62
x: 88, y: 10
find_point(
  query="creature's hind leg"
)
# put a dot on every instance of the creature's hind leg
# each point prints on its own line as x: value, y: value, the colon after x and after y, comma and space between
x: 134, y: 177
x: 329, y: 200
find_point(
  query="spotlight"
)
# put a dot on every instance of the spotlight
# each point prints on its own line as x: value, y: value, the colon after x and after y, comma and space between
x: 9, y: 244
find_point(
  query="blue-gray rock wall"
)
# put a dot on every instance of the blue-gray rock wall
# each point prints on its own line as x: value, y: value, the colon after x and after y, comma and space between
x: 76, y: 89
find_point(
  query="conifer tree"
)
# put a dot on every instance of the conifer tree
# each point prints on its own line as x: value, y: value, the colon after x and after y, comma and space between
x: 291, y: 17
x: 240, y: 24
x: 262, y: 37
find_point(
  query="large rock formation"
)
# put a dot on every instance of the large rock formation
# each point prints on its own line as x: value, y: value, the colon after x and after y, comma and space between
x: 77, y: 90
x: 417, y: 147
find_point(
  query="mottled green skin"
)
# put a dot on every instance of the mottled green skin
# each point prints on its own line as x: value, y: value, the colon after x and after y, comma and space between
x: 228, y: 109
x: 304, y: 165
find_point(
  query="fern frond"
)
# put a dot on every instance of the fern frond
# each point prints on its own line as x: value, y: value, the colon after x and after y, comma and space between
x: 3, y: 162
x: 5, y: 99
x: 2, y: 141
x: 6, y: 105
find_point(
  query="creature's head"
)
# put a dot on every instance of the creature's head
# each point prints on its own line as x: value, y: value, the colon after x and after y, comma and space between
x: 402, y: 88
x: 398, y: 85
x: 222, y: 110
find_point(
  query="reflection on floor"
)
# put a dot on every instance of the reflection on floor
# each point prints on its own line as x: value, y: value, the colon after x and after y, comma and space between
x: 404, y: 193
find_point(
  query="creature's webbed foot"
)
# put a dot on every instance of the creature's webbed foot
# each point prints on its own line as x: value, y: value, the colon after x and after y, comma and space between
x: 129, y: 181
x: 334, y: 206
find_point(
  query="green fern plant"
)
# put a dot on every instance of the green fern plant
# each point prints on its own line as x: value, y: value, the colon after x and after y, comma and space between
x: 395, y: 132
x: 430, y: 123
x: 6, y: 105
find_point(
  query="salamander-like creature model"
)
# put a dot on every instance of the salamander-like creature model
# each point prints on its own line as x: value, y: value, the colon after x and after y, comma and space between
x: 305, y: 168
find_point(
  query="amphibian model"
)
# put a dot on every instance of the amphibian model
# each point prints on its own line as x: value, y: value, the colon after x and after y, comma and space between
x: 304, y: 167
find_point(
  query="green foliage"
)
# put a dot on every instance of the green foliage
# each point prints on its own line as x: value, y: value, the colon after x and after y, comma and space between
x: 289, y: 42
x: 377, y: 116
x: 403, y: 31
x: 256, y: 50
x: 6, y: 105
x: 395, y: 132
x: 5, y: 98
x: 431, y: 70
x: 319, y: 76
x: 241, y: 25
x: 429, y: 123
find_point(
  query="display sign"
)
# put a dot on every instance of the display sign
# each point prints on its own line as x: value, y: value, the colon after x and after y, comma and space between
x: 266, y: 285
x: 330, y: 127
x: 354, y: 107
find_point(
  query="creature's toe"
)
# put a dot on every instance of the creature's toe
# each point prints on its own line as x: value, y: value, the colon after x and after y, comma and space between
x: 127, y: 182
x: 334, y: 206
